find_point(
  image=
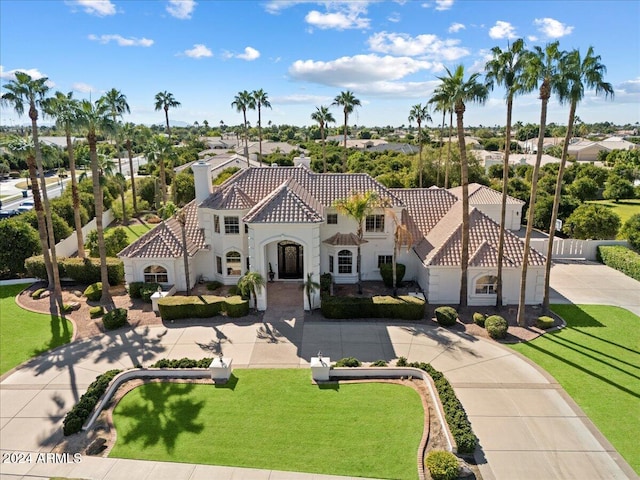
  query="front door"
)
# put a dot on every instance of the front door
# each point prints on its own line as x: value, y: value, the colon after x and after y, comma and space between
x: 290, y: 260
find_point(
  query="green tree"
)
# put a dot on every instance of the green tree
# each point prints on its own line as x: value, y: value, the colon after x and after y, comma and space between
x: 348, y: 102
x: 61, y: 229
x: 310, y: 286
x: 544, y: 206
x: 593, y: 221
x: 631, y: 231
x: 441, y: 99
x: 130, y: 133
x: 184, y: 189
x: 323, y: 116
x: 260, y: 99
x: 159, y: 151
x: 242, y: 102
x: 250, y: 284
x: 506, y: 68
x: 583, y: 188
x: 116, y: 241
x: 18, y: 241
x: 419, y: 113
x: 164, y: 101
x: 617, y: 188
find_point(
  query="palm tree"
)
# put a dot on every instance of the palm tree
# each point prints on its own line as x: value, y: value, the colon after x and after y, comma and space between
x: 260, y: 99
x: 181, y: 216
x: 250, y: 284
x: 441, y: 99
x: 419, y: 114
x: 323, y: 116
x: 576, y: 73
x: 241, y: 102
x: 541, y: 68
x: 96, y: 118
x: 63, y: 108
x: 506, y: 68
x: 348, y: 102
x: 164, y: 101
x: 159, y: 150
x: 310, y: 286
x: 460, y: 92
x: 129, y: 133
x: 358, y: 206
x: 116, y: 103
x: 23, y: 91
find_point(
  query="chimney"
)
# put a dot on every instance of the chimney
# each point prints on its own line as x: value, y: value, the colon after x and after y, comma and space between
x: 202, y: 180
x: 302, y: 160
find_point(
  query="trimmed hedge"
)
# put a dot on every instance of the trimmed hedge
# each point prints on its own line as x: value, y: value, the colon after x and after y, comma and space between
x: 93, y: 292
x: 134, y: 289
x: 621, y: 258
x: 183, y: 363
x: 148, y: 289
x: 202, y: 306
x: 446, y: 316
x: 211, y: 286
x: 348, y: 362
x: 479, y: 318
x: 82, y: 270
x: 386, y: 272
x: 116, y: 318
x: 544, y: 322
x: 79, y: 414
x: 325, y: 282
x: 496, y: 326
x: 442, y: 465
x: 403, y: 307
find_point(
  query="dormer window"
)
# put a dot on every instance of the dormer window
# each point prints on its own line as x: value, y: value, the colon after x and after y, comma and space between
x: 374, y: 224
x: 231, y: 225
x: 332, y: 218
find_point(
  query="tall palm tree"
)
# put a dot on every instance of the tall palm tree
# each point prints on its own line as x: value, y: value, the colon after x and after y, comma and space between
x: 117, y: 105
x: 323, y: 116
x: 181, y: 216
x: 23, y: 91
x: 541, y: 69
x: 462, y: 91
x: 260, y: 99
x: 95, y: 118
x: 442, y: 101
x: 164, y: 101
x: 241, y: 102
x: 358, y: 206
x: 63, y: 107
x: 129, y: 133
x: 577, y: 73
x: 419, y: 113
x: 159, y: 151
x: 348, y: 102
x: 506, y: 69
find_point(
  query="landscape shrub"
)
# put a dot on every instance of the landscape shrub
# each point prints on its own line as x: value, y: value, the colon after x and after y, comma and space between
x: 496, y: 326
x: 96, y: 312
x: 348, y: 362
x: 93, y: 292
x: 479, y: 319
x: 401, y: 362
x: 545, y: 322
x: 386, y: 272
x: 82, y: 270
x: 379, y: 363
x: 148, y: 289
x: 79, y: 414
x: 233, y: 290
x: 134, y: 289
x: 34, y: 266
x: 446, y: 316
x: 211, y: 286
x: 325, y: 283
x: 442, y: 465
x: 382, y: 306
x: 183, y: 363
x: 116, y: 318
x: 37, y: 293
x: 621, y: 258
x: 202, y: 306
x: 67, y: 308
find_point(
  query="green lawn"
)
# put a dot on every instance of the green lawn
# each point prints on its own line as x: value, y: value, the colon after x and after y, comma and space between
x: 624, y: 208
x: 596, y: 359
x: 134, y: 231
x: 275, y: 419
x: 25, y: 334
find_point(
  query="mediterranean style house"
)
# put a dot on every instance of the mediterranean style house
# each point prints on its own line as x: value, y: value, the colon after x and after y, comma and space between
x: 282, y: 223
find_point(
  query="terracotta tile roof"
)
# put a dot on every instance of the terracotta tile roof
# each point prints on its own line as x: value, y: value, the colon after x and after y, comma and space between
x: 289, y: 203
x: 425, y: 207
x: 232, y: 198
x: 165, y: 240
x: 344, y: 240
x: 483, y: 195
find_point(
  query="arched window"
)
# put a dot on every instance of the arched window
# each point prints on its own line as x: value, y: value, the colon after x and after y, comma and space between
x: 486, y: 285
x: 345, y: 261
x: 156, y: 274
x: 234, y: 263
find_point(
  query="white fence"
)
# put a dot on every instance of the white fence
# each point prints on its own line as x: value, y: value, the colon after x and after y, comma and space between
x: 69, y: 245
x: 570, y: 248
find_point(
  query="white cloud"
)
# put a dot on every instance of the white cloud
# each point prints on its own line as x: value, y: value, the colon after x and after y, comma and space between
x: 249, y: 54
x: 82, y: 87
x: 502, y: 30
x: 302, y: 99
x: 181, y: 9
x: 630, y: 86
x: 340, y: 16
x: 34, y: 73
x: 100, y: 8
x: 121, y: 41
x: 552, y: 28
x: 440, y: 4
x: 532, y: 38
x: 427, y: 44
x: 198, y: 51
x: 456, y: 27
x: 394, y: 17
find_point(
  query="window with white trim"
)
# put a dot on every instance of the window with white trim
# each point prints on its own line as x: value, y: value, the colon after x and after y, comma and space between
x: 374, y: 224
x: 216, y: 224
x: 486, y: 285
x: 330, y: 263
x: 385, y: 259
x: 234, y: 263
x: 219, y: 264
x: 332, y: 218
x: 345, y: 261
x: 155, y: 274
x: 231, y: 225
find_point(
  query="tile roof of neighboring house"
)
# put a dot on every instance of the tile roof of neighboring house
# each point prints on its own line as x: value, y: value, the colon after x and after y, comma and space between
x: 344, y: 240
x: 482, y: 195
x: 232, y: 198
x: 289, y: 203
x: 165, y: 240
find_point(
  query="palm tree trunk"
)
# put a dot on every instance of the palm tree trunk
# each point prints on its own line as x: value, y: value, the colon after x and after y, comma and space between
x: 42, y: 224
x: 166, y: 117
x: 441, y: 147
x: 503, y: 208
x: 246, y: 138
x: 420, y: 151
x: 75, y: 196
x: 133, y: 180
x: 464, y: 180
x: 556, y: 204
x: 544, y: 96
x: 185, y: 255
x: 324, y: 150
x: 260, y: 132
x: 124, y: 207
x: 446, y: 167
x: 344, y: 158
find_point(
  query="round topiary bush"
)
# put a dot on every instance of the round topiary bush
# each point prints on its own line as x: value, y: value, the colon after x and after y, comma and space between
x: 479, y: 319
x: 496, y: 326
x: 116, y: 318
x: 446, y: 316
x: 544, y: 322
x: 442, y: 465
x: 93, y: 292
x: 96, y: 312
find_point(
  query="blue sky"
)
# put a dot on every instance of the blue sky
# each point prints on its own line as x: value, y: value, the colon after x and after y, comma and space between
x: 303, y: 53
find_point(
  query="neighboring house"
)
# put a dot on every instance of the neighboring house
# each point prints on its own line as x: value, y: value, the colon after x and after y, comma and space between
x: 587, y: 151
x: 282, y: 219
x: 531, y: 145
x: 222, y: 161
x: 489, y: 159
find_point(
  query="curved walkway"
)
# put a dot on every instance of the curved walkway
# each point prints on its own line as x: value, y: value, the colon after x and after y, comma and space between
x: 527, y: 426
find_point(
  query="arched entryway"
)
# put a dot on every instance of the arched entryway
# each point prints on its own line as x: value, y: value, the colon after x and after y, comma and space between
x: 290, y: 260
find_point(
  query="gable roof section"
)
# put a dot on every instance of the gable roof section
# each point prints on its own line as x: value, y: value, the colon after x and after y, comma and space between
x: 483, y: 195
x: 344, y: 240
x: 289, y: 203
x: 165, y: 240
x: 232, y: 198
x: 425, y: 207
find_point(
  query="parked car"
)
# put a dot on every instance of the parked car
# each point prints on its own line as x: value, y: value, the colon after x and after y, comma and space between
x: 25, y: 206
x: 8, y: 213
